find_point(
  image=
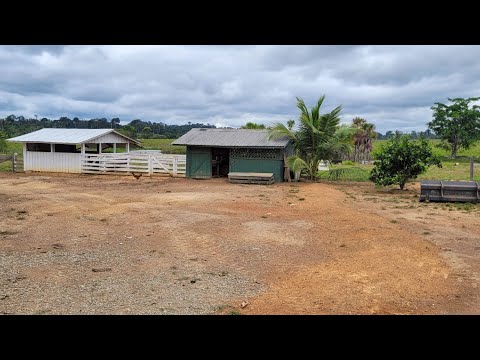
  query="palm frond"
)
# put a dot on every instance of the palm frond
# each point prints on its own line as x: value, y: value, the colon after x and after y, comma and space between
x: 279, y: 130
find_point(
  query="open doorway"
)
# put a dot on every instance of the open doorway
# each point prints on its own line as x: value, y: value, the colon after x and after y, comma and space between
x: 220, y: 162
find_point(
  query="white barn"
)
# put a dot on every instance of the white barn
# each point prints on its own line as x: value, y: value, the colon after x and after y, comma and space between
x: 60, y: 150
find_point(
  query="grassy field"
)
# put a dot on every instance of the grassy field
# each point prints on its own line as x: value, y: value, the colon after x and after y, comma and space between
x: 163, y: 144
x: 449, y: 170
x: 473, y: 151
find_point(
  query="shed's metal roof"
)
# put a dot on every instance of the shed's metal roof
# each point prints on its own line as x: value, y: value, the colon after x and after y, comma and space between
x: 230, y: 138
x: 66, y: 136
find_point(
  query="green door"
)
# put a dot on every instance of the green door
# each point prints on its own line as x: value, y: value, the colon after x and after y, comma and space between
x: 200, y: 164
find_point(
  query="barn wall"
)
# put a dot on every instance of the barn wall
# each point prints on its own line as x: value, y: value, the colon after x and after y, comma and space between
x: 51, y: 161
x: 109, y: 138
x: 252, y: 160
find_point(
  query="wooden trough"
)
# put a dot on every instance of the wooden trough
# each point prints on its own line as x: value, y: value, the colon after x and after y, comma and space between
x: 445, y: 191
x: 251, y: 178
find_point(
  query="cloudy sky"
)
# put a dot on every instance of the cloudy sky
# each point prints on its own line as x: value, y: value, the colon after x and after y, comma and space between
x: 390, y: 86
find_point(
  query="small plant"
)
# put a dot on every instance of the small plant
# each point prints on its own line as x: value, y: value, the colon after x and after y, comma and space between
x: 234, y: 312
x: 301, y: 199
x: 426, y: 233
x: 348, y: 162
x: 393, y: 221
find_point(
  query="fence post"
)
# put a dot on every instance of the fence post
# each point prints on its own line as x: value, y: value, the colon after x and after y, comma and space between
x: 150, y: 165
x: 175, y: 163
x: 14, y: 162
x: 471, y: 168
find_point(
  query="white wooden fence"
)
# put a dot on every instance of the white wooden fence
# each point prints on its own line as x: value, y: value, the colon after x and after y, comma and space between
x: 118, y: 164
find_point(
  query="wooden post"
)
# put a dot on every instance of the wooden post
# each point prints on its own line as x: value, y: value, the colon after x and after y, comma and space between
x: 14, y: 162
x: 150, y: 165
x: 100, y: 148
x: 127, y: 148
x: 175, y: 165
x: 114, y: 148
x: 83, y: 149
x: 471, y: 168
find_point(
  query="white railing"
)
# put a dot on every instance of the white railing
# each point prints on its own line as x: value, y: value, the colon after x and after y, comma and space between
x: 117, y: 164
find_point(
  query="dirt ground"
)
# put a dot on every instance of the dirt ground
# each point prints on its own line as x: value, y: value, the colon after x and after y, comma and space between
x: 81, y: 244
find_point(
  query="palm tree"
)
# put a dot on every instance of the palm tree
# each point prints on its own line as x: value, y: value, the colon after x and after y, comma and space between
x: 362, y: 139
x: 316, y: 139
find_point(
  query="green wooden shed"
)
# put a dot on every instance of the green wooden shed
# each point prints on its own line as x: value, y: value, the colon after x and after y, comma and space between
x: 216, y: 152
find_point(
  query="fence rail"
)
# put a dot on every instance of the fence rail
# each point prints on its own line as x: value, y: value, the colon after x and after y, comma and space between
x: 17, y: 163
x: 118, y: 164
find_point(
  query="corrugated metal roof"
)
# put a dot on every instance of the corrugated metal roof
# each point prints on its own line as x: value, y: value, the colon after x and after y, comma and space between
x: 65, y: 136
x: 230, y: 138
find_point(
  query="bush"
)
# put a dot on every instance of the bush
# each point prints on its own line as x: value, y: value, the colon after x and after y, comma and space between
x: 401, y: 160
x: 348, y: 162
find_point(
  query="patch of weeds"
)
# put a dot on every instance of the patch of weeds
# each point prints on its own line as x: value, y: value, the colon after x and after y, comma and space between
x: 193, y: 259
x: 223, y: 273
x: 426, y: 233
x: 343, y: 245
x: 103, y: 219
x: 301, y: 199
x: 431, y: 214
x: 8, y: 232
x: 21, y: 218
x: 233, y: 312
x: 220, y: 307
x: 393, y: 221
x: 173, y: 267
x: 168, y: 191
x: 261, y: 195
x: 383, y: 208
x: 264, y: 216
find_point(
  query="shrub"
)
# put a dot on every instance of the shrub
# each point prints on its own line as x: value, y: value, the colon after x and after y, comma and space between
x: 401, y: 160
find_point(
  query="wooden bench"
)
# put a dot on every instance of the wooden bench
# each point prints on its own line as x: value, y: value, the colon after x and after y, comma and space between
x: 251, y: 178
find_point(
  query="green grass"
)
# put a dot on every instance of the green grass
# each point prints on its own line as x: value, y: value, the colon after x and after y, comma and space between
x: 463, y: 155
x: 163, y: 144
x: 448, y: 171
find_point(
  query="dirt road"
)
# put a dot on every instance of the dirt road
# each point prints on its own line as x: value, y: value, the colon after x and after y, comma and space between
x: 72, y: 244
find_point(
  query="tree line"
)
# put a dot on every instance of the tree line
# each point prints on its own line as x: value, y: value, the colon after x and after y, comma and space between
x: 12, y: 126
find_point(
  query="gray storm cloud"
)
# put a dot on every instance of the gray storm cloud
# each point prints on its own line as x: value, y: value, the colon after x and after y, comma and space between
x: 391, y: 86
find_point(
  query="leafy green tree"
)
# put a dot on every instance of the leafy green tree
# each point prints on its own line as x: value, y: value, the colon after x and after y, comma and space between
x: 147, y: 132
x: 458, y: 125
x: 252, y: 125
x: 318, y: 137
x: 3, y: 143
x: 115, y: 122
x: 129, y: 131
x: 401, y: 160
